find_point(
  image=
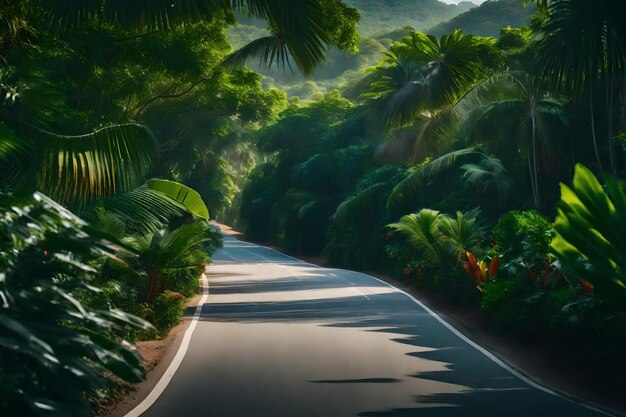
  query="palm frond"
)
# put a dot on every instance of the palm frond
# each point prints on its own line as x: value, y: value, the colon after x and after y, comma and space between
x: 461, y: 233
x: 353, y: 204
x: 14, y: 154
x: 430, y: 134
x: 488, y: 177
x: 420, y: 229
x: 398, y: 91
x: 300, y: 23
x: 268, y: 50
x: 142, y: 210
x: 583, y: 44
x: 79, y: 169
x: 415, y: 182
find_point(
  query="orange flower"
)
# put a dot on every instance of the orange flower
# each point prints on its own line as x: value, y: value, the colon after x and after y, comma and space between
x: 493, y: 267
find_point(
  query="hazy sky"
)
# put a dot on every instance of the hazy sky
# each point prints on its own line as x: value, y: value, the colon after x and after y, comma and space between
x: 458, y: 1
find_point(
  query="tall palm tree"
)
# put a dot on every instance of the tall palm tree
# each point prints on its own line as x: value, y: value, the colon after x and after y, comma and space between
x: 520, y: 119
x: 423, y: 74
x: 416, y: 89
x: 583, y: 53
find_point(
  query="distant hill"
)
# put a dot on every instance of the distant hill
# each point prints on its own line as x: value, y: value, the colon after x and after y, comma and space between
x: 380, y: 16
x: 377, y: 17
x: 488, y: 18
x: 381, y: 22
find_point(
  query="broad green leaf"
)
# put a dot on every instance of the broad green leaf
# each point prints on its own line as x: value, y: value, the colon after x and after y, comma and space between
x: 183, y: 194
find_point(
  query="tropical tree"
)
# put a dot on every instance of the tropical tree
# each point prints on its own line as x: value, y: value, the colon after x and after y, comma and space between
x: 583, y: 54
x: 519, y: 118
x: 168, y: 259
x: 423, y: 74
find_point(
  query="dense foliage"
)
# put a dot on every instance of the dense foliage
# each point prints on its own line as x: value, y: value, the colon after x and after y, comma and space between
x: 438, y: 157
x: 57, y: 341
x: 459, y: 144
x: 133, y: 116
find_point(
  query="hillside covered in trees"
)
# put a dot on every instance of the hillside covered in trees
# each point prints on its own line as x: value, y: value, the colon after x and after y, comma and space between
x: 487, y: 19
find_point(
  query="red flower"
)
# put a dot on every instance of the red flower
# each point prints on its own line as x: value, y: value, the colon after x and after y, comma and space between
x: 493, y: 267
x: 587, y: 287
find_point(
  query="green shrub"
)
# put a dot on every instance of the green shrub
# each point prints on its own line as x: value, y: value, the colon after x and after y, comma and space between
x: 144, y: 311
x: 523, y: 242
x: 439, y: 242
x: 168, y: 259
x: 356, y: 235
x: 168, y: 310
x: 518, y: 306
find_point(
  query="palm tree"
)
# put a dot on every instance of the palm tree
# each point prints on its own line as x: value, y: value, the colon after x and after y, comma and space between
x: 423, y: 75
x: 520, y: 118
x: 583, y: 53
x: 416, y: 91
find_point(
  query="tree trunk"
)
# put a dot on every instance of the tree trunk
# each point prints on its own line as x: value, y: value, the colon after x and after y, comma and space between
x: 154, y: 285
x: 533, y: 168
x: 593, y: 134
x: 609, y: 99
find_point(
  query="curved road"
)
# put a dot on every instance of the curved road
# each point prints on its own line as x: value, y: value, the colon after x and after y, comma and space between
x: 278, y: 337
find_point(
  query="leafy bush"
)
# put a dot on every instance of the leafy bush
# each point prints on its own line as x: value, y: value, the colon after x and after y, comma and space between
x: 440, y: 242
x: 162, y: 270
x: 168, y: 310
x: 356, y: 235
x: 523, y: 242
x: 55, y: 347
x: 443, y: 238
x: 169, y: 259
x: 518, y: 305
x: 591, y: 234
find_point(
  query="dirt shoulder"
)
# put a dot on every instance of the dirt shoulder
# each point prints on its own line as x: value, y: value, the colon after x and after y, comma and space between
x: 156, y: 358
x: 539, y: 360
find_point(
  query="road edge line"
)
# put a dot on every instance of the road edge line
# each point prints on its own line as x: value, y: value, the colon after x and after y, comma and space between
x: 459, y: 334
x: 165, y: 379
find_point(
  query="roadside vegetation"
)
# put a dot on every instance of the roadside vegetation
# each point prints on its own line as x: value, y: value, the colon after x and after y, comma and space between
x: 488, y: 172
x: 120, y: 136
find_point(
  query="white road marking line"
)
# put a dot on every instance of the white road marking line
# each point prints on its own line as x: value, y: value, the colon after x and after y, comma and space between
x: 350, y: 282
x: 178, y: 359
x: 228, y: 254
x: 289, y: 270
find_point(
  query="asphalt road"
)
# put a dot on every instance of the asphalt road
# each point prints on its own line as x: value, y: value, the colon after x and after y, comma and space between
x: 279, y: 337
